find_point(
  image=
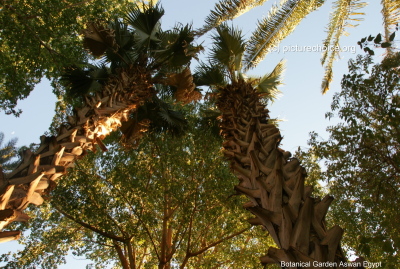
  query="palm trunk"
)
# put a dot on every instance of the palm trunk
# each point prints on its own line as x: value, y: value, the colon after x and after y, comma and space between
x: 274, y: 184
x: 100, y: 115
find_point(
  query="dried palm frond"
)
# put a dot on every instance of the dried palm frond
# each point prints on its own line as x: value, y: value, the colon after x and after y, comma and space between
x: 97, y: 38
x: 185, y: 88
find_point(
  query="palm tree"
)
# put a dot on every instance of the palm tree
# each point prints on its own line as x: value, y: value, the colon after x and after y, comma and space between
x: 281, y: 21
x: 136, y: 55
x: 268, y: 176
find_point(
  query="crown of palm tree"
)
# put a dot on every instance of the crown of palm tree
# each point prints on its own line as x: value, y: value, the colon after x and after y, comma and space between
x: 225, y: 65
x: 138, y: 43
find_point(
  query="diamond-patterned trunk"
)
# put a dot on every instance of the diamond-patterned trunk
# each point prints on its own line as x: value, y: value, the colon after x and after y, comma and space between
x: 38, y: 172
x: 274, y: 184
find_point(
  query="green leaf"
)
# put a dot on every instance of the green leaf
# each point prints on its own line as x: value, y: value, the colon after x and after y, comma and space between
x: 269, y: 83
x: 378, y: 39
x: 146, y: 23
x: 228, y: 48
x: 392, y: 36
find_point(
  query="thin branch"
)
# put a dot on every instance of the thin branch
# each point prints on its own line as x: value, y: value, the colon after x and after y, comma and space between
x: 88, y: 226
x: 218, y: 242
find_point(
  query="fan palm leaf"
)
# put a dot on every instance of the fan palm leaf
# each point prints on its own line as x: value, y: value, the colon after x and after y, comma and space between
x: 280, y: 22
x: 343, y: 12
x: 177, y: 47
x: 146, y: 24
x: 209, y: 75
x: 156, y: 115
x: 268, y: 84
x: 80, y: 81
x: 228, y: 50
x: 124, y: 38
x: 226, y: 10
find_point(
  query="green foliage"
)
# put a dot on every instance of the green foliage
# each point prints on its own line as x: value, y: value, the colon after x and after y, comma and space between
x: 228, y: 49
x: 377, y: 42
x: 180, y: 186
x: 40, y: 37
x: 268, y: 84
x: 362, y: 158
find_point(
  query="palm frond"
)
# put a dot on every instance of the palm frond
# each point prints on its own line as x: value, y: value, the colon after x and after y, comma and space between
x: 185, y: 90
x: 226, y: 10
x: 343, y: 12
x: 146, y: 23
x: 326, y: 81
x: 156, y: 116
x: 391, y: 15
x: 124, y: 38
x: 163, y: 117
x: 228, y: 49
x: 209, y: 75
x: 268, y: 84
x: 98, y: 38
x: 280, y: 22
x: 177, y: 47
x: 80, y: 81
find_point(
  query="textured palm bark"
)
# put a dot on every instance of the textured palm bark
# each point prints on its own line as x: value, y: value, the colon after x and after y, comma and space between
x: 38, y: 171
x: 274, y: 184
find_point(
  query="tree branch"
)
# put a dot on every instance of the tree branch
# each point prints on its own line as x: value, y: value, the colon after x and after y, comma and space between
x: 88, y: 226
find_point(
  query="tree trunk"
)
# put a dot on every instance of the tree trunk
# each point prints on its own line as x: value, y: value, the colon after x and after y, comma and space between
x: 274, y: 184
x: 101, y: 114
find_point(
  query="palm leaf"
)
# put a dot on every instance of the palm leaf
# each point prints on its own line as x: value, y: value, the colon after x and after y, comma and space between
x: 125, y: 54
x: 339, y: 20
x: 228, y: 49
x: 146, y: 23
x: 178, y: 49
x: 81, y: 81
x: 184, y: 89
x: 280, y: 22
x: 227, y: 10
x: 98, y: 38
x: 326, y: 81
x: 268, y: 84
x: 209, y: 75
x: 391, y: 15
x: 155, y: 115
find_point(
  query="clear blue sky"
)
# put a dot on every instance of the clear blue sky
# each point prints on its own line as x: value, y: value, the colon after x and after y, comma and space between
x: 302, y: 105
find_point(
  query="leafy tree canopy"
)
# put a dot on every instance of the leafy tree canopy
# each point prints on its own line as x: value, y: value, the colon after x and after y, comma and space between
x: 362, y: 158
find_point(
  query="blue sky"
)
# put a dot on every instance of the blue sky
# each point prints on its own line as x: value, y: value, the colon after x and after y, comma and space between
x: 301, y: 105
